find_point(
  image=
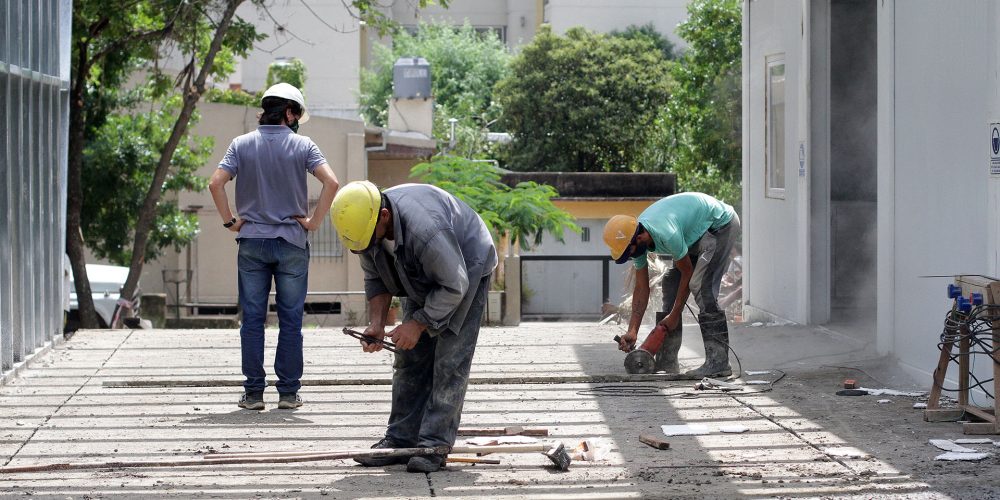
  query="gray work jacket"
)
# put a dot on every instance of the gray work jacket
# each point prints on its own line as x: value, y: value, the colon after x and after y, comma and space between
x: 443, y: 250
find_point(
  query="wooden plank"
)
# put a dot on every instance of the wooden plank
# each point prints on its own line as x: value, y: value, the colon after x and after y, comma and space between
x: 981, y: 413
x: 993, y: 297
x: 979, y: 428
x: 942, y: 415
x: 934, y: 400
x: 506, y: 431
x: 653, y: 441
x: 963, y: 368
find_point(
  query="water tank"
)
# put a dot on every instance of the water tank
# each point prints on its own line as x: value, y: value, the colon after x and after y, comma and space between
x: 411, y: 78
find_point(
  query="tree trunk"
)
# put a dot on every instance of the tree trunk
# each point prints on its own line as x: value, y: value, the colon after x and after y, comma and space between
x: 74, y: 197
x: 192, y: 93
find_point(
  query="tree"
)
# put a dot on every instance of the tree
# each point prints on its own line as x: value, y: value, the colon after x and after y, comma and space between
x: 582, y: 102
x: 111, y: 41
x: 700, y: 129
x: 291, y: 71
x: 465, y: 65
x: 521, y: 214
x: 649, y: 32
x: 107, y: 42
x: 118, y: 164
x: 372, y: 13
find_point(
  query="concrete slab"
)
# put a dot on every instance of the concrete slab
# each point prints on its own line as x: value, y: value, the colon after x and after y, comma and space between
x: 66, y: 407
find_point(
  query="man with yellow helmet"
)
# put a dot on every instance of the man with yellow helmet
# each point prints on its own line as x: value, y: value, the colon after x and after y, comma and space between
x: 698, y: 231
x: 419, y: 242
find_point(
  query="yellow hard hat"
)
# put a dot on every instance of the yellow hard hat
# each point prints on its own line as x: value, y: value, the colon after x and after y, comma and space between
x: 355, y: 212
x: 619, y: 233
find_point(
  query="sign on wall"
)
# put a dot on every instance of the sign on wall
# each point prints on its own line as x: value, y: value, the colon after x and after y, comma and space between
x: 802, y: 159
x: 995, y: 148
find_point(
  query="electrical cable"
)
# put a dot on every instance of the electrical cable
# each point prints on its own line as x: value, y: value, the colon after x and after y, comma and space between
x: 976, y: 329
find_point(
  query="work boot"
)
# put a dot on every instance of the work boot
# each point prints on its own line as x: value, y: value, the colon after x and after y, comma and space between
x: 715, y: 334
x: 665, y: 360
x: 426, y: 463
x: 252, y: 400
x: 383, y: 461
x: 289, y: 400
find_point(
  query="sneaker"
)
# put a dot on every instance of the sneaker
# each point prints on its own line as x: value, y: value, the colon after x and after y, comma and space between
x: 383, y: 461
x: 289, y: 401
x: 252, y: 400
x: 426, y: 463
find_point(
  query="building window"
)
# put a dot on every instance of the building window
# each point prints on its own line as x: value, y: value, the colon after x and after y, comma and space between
x: 774, y: 124
x: 324, y: 242
x: 585, y: 235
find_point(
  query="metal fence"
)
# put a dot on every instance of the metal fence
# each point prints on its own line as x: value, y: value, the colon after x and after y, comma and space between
x: 34, y: 118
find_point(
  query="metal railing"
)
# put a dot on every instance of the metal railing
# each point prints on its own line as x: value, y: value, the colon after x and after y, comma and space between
x: 34, y: 118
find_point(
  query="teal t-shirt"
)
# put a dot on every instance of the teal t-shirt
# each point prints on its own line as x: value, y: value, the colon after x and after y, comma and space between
x: 677, y: 221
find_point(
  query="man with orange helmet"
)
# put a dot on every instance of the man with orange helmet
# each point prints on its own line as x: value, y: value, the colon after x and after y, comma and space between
x: 698, y: 232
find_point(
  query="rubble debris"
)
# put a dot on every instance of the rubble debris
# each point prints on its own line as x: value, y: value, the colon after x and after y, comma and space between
x: 685, y: 430
x: 946, y: 445
x: 733, y: 429
x: 893, y: 392
x: 952, y: 456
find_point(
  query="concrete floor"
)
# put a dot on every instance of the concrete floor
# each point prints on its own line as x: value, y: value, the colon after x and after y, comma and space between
x: 70, y: 406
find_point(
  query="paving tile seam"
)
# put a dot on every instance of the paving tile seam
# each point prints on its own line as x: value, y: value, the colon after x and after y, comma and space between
x: 66, y: 400
x: 797, y: 436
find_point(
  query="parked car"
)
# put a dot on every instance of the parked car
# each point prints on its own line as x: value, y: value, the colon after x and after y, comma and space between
x: 106, y: 283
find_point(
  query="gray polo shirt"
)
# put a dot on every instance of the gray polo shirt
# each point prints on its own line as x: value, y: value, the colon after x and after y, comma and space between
x: 270, y: 166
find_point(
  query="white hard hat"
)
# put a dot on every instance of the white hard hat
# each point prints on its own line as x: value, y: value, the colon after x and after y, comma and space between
x: 288, y: 91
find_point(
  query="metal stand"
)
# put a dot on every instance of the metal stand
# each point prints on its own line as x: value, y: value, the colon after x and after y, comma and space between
x: 176, y: 277
x: 987, y: 422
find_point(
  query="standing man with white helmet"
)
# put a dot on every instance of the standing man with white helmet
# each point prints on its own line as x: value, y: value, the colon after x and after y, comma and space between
x: 270, y: 166
x: 698, y: 231
x: 420, y: 242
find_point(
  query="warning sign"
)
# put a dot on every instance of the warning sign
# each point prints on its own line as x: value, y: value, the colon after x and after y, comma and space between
x: 995, y: 148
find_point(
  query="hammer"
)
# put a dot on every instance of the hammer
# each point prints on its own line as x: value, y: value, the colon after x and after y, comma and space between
x: 554, y: 451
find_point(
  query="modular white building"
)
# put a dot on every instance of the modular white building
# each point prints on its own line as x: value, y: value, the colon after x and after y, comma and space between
x: 870, y: 171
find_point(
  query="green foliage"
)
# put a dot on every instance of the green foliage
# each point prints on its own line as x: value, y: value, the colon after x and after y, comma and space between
x: 582, y: 102
x: 119, y: 162
x: 291, y: 71
x: 700, y: 130
x: 649, y: 32
x: 465, y: 65
x: 230, y: 96
x: 522, y: 213
x: 372, y: 14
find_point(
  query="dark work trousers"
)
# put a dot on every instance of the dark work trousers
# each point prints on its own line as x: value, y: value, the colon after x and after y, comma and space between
x: 429, y: 382
x: 710, y: 256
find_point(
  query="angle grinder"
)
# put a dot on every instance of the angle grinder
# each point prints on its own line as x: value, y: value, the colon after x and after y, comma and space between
x: 641, y: 360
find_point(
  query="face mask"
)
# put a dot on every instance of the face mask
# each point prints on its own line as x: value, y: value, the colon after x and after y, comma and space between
x: 294, y: 126
x: 639, y: 250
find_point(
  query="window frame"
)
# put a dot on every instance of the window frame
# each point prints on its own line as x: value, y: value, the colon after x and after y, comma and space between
x: 770, y: 151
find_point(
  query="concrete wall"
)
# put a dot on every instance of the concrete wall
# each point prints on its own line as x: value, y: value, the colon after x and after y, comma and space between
x: 604, y: 16
x: 774, y: 226
x: 941, y: 88
x: 327, y: 39
x: 573, y: 289
x: 936, y: 205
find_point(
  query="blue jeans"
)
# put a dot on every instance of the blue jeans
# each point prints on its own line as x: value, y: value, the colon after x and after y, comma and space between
x: 260, y: 261
x: 429, y: 382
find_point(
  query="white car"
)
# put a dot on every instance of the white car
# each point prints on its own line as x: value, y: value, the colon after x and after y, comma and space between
x: 106, y: 283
